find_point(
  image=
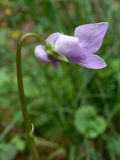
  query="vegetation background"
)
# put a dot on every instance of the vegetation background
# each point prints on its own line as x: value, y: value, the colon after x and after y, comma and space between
x: 55, y: 96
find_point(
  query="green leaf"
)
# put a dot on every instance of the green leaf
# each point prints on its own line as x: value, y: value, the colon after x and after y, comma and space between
x: 7, y: 151
x: 88, y: 123
x: 115, y: 65
x: 113, y: 144
x: 18, y: 142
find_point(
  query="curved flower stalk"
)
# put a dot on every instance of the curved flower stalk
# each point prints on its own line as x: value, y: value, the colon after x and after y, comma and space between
x: 28, y: 125
x: 78, y: 49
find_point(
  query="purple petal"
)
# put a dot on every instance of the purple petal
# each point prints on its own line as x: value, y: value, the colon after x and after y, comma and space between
x: 41, y: 54
x: 91, y: 36
x: 53, y: 37
x: 93, y: 61
x: 69, y: 47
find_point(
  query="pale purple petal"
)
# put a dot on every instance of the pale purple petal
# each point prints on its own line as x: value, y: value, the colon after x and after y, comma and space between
x: 93, y: 61
x: 91, y: 36
x: 69, y: 47
x: 53, y: 37
x: 41, y: 54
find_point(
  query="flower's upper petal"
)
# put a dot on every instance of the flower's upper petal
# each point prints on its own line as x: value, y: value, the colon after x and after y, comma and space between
x: 53, y: 37
x: 91, y: 36
x: 41, y: 54
x: 93, y: 61
x: 69, y: 47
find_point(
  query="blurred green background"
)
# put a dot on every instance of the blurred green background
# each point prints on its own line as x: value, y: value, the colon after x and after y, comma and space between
x: 76, y: 111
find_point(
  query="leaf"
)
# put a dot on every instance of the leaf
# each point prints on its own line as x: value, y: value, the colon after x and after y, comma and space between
x: 4, y: 80
x: 18, y: 142
x: 88, y: 123
x: 115, y: 65
x: 3, y: 33
x: 113, y: 144
x: 7, y: 151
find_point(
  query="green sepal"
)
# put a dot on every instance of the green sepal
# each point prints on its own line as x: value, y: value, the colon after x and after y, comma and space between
x: 60, y: 57
x: 50, y: 50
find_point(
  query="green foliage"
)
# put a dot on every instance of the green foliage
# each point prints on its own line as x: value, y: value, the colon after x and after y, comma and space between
x: 7, y: 151
x: 18, y: 142
x: 56, y: 97
x: 88, y: 122
x: 113, y: 146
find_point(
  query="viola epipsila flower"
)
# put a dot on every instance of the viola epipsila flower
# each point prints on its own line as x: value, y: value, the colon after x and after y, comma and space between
x: 78, y: 49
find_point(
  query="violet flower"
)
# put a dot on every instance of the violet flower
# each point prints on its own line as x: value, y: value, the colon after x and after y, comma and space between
x: 78, y: 49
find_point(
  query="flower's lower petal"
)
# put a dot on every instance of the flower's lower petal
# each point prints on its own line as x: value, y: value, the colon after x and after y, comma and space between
x: 41, y: 54
x: 69, y: 47
x: 91, y: 36
x: 93, y: 61
x: 53, y: 37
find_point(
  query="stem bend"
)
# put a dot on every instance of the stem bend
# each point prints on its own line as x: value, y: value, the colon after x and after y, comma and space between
x: 28, y: 125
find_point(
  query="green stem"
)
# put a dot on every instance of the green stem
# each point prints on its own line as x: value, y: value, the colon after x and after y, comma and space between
x: 28, y: 126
